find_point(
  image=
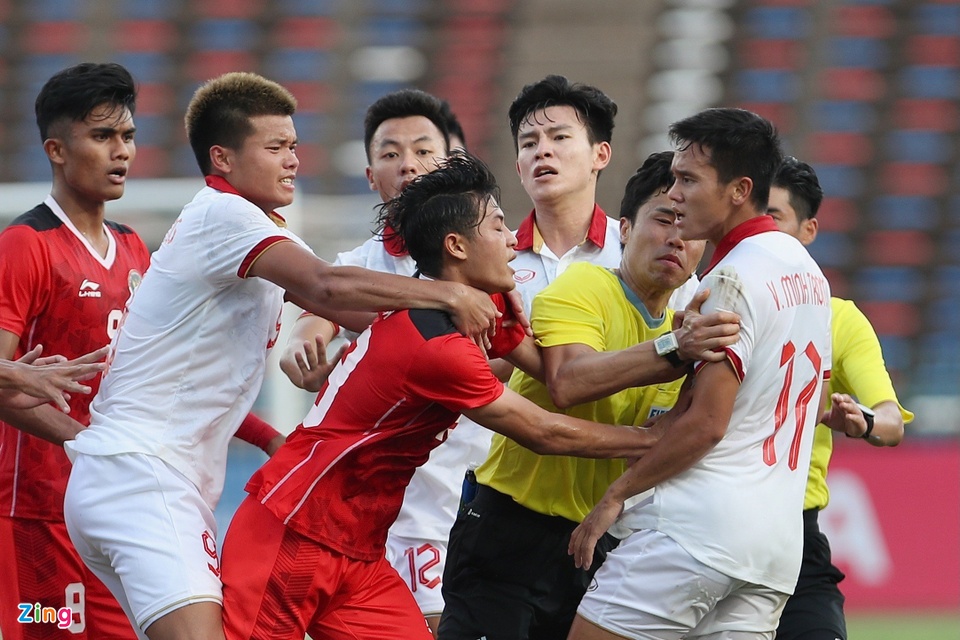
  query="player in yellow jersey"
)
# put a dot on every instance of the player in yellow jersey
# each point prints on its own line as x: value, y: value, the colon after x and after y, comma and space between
x: 815, y: 611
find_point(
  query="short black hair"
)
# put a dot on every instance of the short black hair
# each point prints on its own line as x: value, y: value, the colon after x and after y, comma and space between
x: 404, y: 103
x: 454, y: 127
x: 653, y: 177
x: 220, y: 111
x: 595, y: 109
x: 450, y: 199
x: 73, y: 93
x: 739, y: 143
x: 801, y: 182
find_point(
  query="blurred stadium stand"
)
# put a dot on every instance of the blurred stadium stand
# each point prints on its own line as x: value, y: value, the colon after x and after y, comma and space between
x: 866, y: 90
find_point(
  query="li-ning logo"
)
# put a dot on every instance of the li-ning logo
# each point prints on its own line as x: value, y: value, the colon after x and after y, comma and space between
x: 89, y: 289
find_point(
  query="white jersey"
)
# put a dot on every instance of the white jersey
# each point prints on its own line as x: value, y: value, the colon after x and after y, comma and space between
x: 433, y: 496
x: 189, y: 359
x: 373, y: 255
x: 738, y: 510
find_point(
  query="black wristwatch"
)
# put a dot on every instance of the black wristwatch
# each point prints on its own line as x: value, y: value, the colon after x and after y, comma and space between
x: 667, y: 347
x: 868, y: 416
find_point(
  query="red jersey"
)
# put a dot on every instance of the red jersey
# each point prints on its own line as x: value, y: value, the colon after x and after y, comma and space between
x: 56, y: 290
x: 340, y: 477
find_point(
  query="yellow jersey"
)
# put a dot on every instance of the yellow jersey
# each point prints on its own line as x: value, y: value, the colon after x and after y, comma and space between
x: 587, y: 304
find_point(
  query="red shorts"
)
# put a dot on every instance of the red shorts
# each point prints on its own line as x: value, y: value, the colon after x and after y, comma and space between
x: 40, y: 567
x: 278, y: 584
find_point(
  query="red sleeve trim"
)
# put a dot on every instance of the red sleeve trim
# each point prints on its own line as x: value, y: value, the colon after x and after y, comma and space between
x: 506, y: 339
x: 257, y: 251
x: 256, y: 431
x: 734, y: 360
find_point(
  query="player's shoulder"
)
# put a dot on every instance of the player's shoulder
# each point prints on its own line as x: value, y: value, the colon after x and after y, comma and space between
x: 842, y: 306
x: 579, y: 273
x: 40, y: 218
x: 432, y: 323
x: 847, y: 317
x: 231, y: 206
x: 120, y: 228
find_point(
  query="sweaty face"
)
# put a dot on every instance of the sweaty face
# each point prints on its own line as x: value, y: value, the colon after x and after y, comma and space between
x: 654, y: 257
x: 699, y: 199
x: 489, y: 250
x: 95, y: 154
x: 402, y: 149
x: 555, y: 158
x: 264, y: 168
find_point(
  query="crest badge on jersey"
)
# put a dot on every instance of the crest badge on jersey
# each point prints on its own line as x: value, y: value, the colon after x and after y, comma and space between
x: 522, y: 276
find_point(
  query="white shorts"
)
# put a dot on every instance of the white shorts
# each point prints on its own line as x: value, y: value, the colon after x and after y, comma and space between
x: 650, y: 588
x: 420, y: 563
x: 143, y: 528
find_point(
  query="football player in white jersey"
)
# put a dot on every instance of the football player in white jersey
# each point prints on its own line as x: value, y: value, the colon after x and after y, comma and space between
x: 190, y: 355
x: 715, y: 549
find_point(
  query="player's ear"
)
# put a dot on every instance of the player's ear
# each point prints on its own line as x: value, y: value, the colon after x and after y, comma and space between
x: 808, y: 231
x: 53, y: 147
x: 602, y: 154
x: 625, y: 227
x: 741, y: 188
x: 455, y: 247
x: 221, y: 160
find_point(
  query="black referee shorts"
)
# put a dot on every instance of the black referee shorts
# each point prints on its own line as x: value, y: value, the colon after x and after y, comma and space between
x: 508, y: 575
x: 815, y: 610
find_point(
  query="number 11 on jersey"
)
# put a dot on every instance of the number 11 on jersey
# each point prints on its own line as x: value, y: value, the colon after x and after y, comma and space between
x: 788, y: 358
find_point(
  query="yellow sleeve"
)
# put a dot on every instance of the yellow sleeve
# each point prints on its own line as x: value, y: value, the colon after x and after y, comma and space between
x: 858, y: 366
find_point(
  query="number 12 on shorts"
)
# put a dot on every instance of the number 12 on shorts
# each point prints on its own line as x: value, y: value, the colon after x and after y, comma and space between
x: 427, y: 557
x: 788, y: 358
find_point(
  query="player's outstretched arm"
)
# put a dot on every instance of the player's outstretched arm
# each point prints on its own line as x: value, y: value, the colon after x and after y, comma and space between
x: 32, y: 381
x: 846, y: 417
x: 527, y: 357
x: 547, y: 433
x: 43, y: 421
x: 887, y: 425
x: 322, y: 288
x: 689, y: 433
x: 577, y: 373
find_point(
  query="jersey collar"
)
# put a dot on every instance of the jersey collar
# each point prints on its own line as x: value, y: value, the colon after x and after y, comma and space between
x: 393, y: 243
x: 107, y: 260
x: 220, y: 184
x: 528, y: 235
x: 752, y: 227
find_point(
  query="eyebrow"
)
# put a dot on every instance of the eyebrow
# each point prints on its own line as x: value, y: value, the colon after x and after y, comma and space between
x: 548, y: 129
x: 392, y: 141
x: 112, y: 130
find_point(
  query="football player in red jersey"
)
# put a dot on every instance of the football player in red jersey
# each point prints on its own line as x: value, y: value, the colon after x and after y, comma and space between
x: 319, y: 510
x: 65, y: 275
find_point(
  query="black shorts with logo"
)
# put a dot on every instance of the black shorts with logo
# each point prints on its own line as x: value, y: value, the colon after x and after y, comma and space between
x: 815, y: 610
